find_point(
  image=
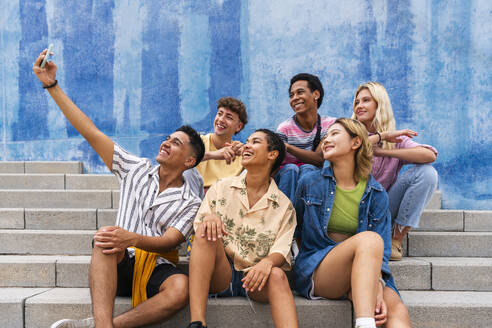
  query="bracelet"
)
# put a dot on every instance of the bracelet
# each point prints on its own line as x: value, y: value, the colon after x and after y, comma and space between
x: 381, y: 280
x: 379, y: 135
x: 51, y: 85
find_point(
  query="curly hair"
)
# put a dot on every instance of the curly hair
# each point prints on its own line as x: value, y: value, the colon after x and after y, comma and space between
x: 274, y: 143
x: 313, y: 82
x: 363, y: 154
x: 384, y: 119
x: 236, y: 106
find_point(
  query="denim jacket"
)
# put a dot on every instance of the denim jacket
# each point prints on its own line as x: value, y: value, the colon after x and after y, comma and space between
x: 313, y: 202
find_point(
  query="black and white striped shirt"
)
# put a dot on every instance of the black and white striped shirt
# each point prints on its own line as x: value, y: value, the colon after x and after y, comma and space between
x: 142, y: 209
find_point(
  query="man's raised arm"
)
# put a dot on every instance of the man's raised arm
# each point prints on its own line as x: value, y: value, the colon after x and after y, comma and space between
x: 101, y: 143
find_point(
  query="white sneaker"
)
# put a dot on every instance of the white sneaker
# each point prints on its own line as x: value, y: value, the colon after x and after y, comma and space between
x: 70, y: 323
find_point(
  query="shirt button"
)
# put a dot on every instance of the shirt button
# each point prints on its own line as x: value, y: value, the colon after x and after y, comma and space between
x: 328, y: 209
x: 362, y: 202
x: 360, y: 221
x: 331, y: 192
x: 370, y: 225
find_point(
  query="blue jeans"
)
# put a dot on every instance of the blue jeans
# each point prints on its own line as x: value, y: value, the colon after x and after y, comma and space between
x: 287, y: 177
x: 411, y: 192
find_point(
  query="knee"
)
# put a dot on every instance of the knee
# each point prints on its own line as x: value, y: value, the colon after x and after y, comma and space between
x: 202, y: 241
x: 175, y: 288
x: 370, y: 241
x: 398, y: 310
x: 427, y: 175
x: 277, y: 278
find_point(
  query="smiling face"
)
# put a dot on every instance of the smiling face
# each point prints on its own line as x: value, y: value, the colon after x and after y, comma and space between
x: 339, y: 143
x: 365, y: 107
x: 301, y: 98
x: 226, y: 122
x: 255, y: 151
x: 176, y: 150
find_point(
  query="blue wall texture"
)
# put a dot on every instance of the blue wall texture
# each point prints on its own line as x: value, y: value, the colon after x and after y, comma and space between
x: 139, y: 69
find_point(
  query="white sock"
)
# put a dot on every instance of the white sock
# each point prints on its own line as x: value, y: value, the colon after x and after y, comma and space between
x: 365, y: 323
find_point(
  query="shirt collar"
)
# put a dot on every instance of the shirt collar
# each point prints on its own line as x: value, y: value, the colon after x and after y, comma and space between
x: 170, y: 194
x: 272, y: 193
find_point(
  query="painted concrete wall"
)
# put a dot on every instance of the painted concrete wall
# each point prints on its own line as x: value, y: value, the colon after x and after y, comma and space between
x: 139, y: 69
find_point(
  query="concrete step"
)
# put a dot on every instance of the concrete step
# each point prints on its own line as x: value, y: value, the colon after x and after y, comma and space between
x: 12, y: 167
x: 470, y: 274
x: 58, y: 181
x: 431, y: 309
x: 92, y: 181
x: 428, y: 309
x: 74, y: 219
x: 55, y: 199
x: 56, y: 218
x: 455, y: 220
x: 32, y: 181
x: 460, y: 273
x: 12, y: 305
x: 441, y: 220
x: 478, y: 220
x: 436, y: 201
x: 64, y: 167
x: 46, y: 242
x: 450, y: 244
x: 12, y: 218
x: 52, y: 305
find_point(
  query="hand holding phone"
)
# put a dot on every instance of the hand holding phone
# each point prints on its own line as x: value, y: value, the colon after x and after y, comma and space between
x: 47, y: 56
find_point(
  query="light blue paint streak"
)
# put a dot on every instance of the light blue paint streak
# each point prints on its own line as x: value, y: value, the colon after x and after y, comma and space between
x: 127, y: 69
x: 10, y: 35
x: 245, y: 83
x: 57, y: 126
x: 449, y: 82
x: 292, y: 40
x: 194, y: 67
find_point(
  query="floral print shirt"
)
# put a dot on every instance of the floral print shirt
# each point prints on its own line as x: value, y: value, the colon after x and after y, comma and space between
x: 256, y: 232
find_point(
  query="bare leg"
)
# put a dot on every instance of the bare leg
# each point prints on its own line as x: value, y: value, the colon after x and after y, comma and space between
x: 353, y: 265
x: 172, y: 296
x: 397, y: 311
x: 102, y: 280
x: 399, y: 232
x: 277, y: 291
x: 209, y: 271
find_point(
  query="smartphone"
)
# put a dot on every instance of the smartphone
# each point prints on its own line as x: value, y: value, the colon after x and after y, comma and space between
x: 48, y: 55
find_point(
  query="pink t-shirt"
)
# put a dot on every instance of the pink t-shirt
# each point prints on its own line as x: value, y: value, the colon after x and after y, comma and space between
x: 385, y: 169
x: 290, y: 132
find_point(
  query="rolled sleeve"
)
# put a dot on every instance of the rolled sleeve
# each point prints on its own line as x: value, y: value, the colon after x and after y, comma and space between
x: 207, y: 207
x: 183, y: 221
x: 283, y: 241
x: 409, y: 143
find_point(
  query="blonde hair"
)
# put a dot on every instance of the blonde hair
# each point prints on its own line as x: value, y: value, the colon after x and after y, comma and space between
x: 383, y: 120
x: 363, y: 154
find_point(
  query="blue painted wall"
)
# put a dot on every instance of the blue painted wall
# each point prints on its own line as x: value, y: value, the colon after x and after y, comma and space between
x: 140, y: 69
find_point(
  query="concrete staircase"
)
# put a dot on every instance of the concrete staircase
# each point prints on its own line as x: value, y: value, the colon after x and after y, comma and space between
x: 49, y: 212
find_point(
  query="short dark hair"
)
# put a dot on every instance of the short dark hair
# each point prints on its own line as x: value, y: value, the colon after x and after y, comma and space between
x: 313, y: 82
x: 196, y: 142
x: 274, y: 143
x: 236, y: 106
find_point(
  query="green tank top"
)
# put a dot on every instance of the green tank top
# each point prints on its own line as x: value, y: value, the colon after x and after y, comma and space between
x: 345, y: 212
